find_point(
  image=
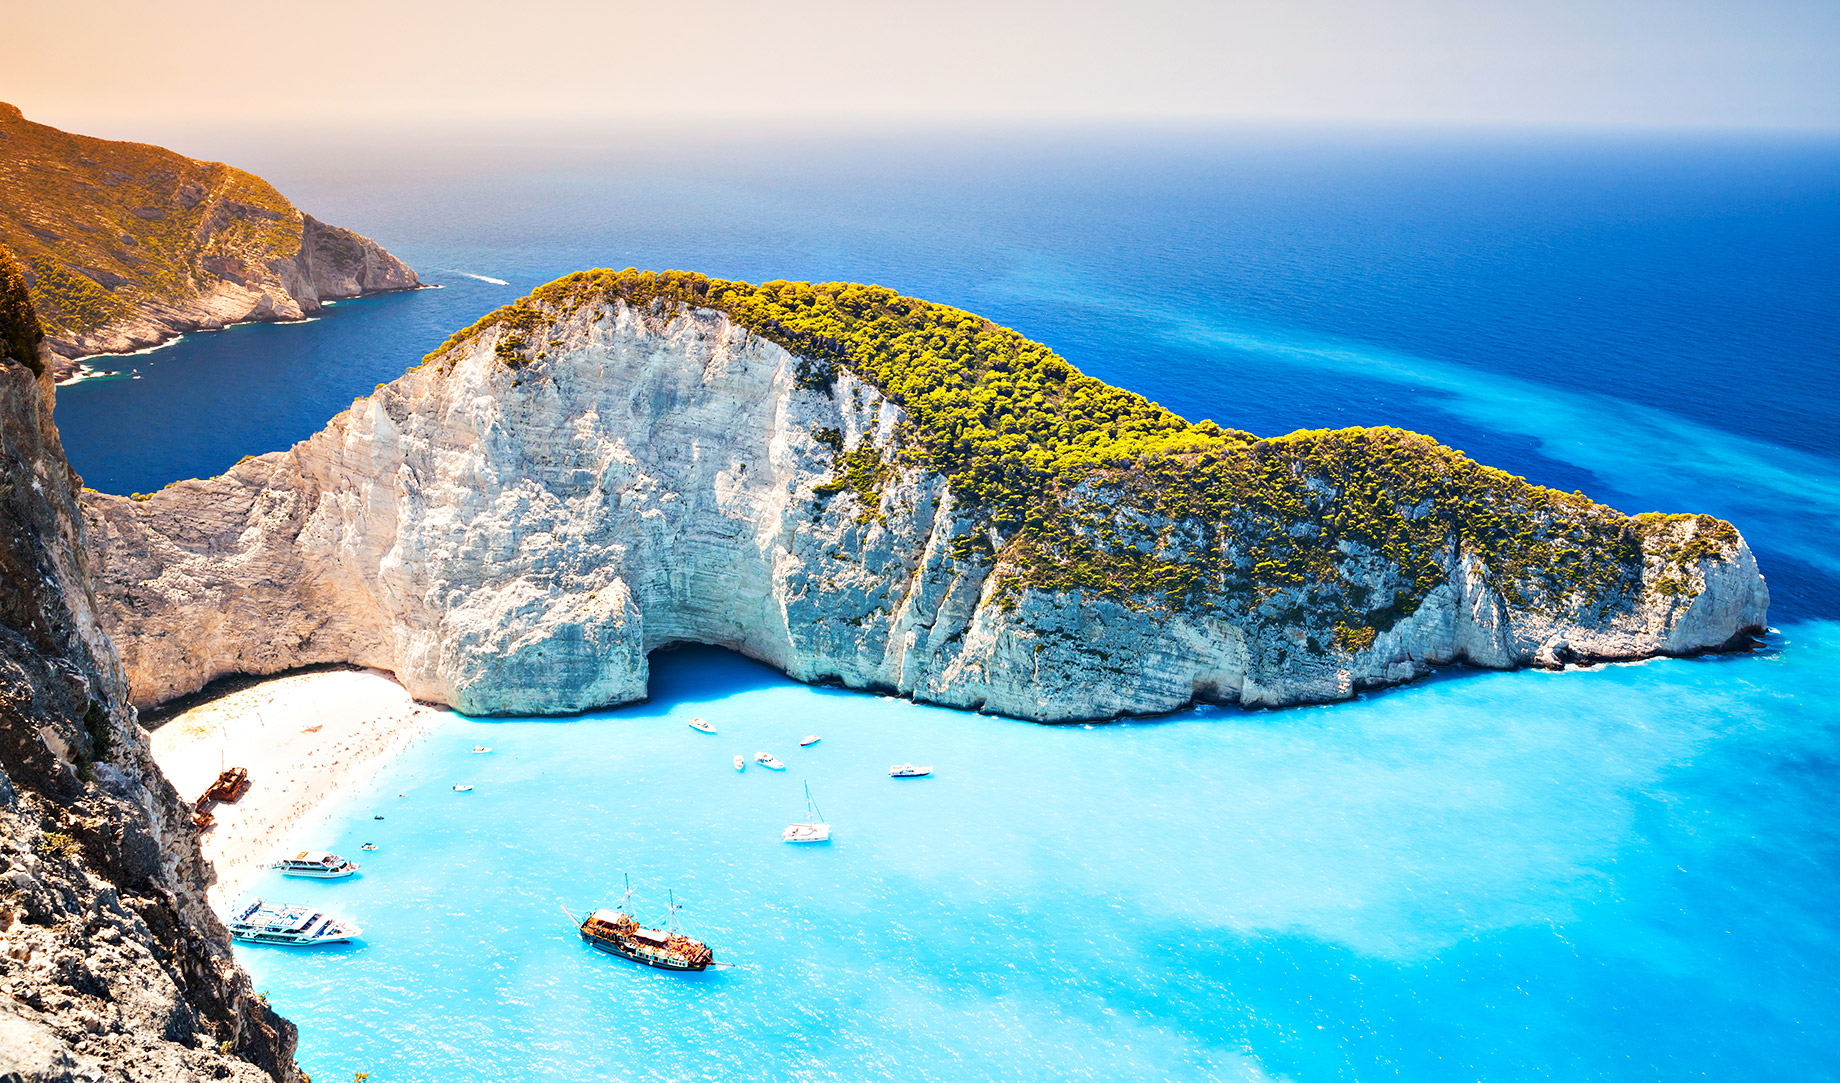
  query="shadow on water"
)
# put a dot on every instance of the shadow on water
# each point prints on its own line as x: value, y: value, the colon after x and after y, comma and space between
x: 691, y: 673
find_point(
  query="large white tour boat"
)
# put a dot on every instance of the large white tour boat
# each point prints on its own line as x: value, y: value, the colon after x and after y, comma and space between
x: 315, y: 865
x: 273, y: 923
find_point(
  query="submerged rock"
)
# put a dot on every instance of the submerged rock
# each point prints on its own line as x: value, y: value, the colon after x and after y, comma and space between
x: 907, y: 499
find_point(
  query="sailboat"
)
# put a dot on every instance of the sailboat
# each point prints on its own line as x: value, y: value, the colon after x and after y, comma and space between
x: 814, y: 829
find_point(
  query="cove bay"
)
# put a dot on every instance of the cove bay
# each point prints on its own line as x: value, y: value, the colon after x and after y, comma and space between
x: 1620, y: 873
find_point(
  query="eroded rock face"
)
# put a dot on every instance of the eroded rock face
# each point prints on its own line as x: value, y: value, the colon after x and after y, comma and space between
x: 111, y: 964
x: 514, y: 540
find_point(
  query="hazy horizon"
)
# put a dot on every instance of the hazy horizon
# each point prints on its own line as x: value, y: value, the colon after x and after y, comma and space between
x: 831, y: 64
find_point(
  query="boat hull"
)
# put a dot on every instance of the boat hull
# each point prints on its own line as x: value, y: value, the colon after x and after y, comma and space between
x: 626, y: 951
x: 286, y: 941
x: 308, y: 874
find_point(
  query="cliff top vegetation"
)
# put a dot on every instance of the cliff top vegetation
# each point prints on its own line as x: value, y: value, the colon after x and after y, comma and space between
x: 102, y: 227
x: 1087, y: 486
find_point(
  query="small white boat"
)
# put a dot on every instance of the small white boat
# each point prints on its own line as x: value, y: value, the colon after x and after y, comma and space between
x: 908, y: 770
x: 368, y: 846
x: 814, y: 829
x: 740, y: 764
x: 316, y: 865
x: 809, y: 741
x: 457, y: 789
x: 769, y: 761
x: 270, y: 923
x: 701, y: 725
x: 477, y: 749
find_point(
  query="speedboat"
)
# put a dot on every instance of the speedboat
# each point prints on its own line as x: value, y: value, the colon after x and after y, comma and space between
x: 457, y: 789
x: 477, y: 749
x: 809, y: 741
x: 701, y: 725
x: 368, y: 846
x: 814, y: 829
x: 769, y: 761
x: 908, y: 770
x: 740, y: 764
x: 316, y: 865
x: 272, y: 923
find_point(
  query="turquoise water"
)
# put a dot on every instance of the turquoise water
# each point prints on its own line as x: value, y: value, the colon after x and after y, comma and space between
x: 1613, y: 874
x: 1626, y: 874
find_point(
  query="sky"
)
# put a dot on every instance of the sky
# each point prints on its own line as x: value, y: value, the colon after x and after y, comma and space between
x: 105, y: 66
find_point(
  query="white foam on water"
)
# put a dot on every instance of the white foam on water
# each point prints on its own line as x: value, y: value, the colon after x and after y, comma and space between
x: 482, y: 278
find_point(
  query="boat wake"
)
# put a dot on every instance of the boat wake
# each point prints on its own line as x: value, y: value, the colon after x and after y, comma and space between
x: 482, y: 278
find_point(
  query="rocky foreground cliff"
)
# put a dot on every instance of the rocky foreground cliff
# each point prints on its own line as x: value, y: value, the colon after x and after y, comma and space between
x: 858, y: 487
x: 111, y: 965
x: 126, y: 245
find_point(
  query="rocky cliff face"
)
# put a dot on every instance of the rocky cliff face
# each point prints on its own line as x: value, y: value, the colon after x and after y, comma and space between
x: 127, y: 245
x: 111, y: 965
x: 512, y: 526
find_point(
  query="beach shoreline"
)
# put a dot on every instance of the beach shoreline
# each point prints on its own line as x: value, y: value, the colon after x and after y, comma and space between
x: 307, y: 740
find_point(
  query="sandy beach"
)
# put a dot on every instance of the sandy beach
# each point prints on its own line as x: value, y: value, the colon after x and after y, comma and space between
x: 304, y: 738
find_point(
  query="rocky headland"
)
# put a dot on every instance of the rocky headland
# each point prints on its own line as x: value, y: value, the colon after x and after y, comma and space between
x: 127, y: 245
x: 859, y: 487
x: 112, y: 966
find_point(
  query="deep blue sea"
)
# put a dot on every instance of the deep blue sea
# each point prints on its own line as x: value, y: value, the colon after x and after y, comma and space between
x: 1631, y: 873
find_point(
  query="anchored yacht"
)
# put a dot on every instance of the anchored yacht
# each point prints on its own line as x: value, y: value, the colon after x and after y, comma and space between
x: 316, y: 865
x: 908, y: 770
x: 769, y: 761
x: 702, y: 725
x: 273, y: 923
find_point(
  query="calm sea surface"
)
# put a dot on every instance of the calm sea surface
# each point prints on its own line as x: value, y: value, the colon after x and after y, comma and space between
x: 1623, y: 874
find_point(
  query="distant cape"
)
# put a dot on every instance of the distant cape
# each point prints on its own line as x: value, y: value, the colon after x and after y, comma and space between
x: 127, y: 245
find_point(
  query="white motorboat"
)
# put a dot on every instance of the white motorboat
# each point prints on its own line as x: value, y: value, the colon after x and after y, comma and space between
x: 769, y: 761
x: 477, y: 749
x: 809, y: 741
x: 814, y: 829
x: 740, y: 764
x: 702, y: 725
x: 316, y: 865
x: 464, y: 788
x: 272, y: 923
x: 908, y: 770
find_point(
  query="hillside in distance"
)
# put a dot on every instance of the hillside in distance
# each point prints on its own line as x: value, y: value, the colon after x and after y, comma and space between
x: 126, y: 245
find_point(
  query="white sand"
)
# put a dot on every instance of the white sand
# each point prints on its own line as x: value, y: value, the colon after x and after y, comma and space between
x: 304, y: 739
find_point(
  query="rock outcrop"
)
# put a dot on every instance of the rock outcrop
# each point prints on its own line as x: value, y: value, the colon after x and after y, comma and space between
x: 126, y: 245
x: 111, y: 965
x: 583, y: 478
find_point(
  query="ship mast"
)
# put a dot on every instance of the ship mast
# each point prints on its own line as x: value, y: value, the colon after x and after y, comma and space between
x: 627, y: 896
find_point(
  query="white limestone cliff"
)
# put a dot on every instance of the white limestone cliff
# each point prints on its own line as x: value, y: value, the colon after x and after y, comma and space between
x: 516, y: 540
